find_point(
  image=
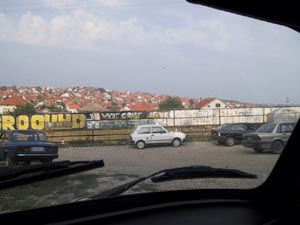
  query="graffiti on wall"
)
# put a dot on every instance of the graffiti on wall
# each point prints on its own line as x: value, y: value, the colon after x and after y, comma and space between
x: 40, y: 122
x: 130, y: 115
x: 129, y: 119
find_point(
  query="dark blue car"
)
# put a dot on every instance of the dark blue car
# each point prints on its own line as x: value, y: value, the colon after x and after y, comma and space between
x: 26, y: 146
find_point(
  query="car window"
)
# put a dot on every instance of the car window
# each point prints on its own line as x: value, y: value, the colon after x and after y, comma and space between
x: 85, y: 75
x: 144, y: 130
x: 224, y: 126
x: 158, y: 130
x: 267, y: 128
x: 286, y: 128
x: 237, y: 127
x: 2, y: 137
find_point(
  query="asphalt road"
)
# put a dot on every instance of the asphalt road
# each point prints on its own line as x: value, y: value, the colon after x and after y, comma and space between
x: 125, y: 163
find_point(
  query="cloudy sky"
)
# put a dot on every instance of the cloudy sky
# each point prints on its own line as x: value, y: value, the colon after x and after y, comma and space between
x: 155, y: 46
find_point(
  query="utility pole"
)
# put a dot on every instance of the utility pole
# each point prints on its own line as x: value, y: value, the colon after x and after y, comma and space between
x: 287, y: 101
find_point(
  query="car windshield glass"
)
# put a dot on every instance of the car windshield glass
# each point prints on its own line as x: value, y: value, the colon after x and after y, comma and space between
x: 224, y: 126
x: 144, y: 86
x: 28, y: 136
x: 267, y: 128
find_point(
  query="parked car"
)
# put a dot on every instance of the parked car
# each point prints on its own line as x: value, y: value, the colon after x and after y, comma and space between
x: 155, y: 135
x: 271, y: 136
x: 26, y: 146
x: 231, y: 133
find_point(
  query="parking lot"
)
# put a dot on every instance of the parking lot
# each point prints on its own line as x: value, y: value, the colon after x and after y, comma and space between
x: 128, y: 159
x: 125, y: 163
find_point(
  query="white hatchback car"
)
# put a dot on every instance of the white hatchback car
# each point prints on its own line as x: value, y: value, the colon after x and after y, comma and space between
x: 155, y: 135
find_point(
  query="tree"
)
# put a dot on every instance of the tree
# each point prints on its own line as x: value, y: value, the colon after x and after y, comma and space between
x: 191, y: 102
x: 171, y: 103
x: 27, y: 109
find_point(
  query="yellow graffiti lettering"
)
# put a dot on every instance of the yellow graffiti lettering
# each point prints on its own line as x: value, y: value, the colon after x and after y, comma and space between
x: 54, y: 118
x: 22, y: 122
x: 64, y: 118
x: 37, y: 122
x: 8, y: 122
x: 47, y: 118
x: 78, y: 121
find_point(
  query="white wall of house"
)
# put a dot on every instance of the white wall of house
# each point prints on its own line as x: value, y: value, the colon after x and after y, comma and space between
x: 215, y: 104
x: 71, y: 110
x: 4, y: 109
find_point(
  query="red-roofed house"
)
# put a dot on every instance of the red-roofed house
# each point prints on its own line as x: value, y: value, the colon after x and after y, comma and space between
x: 210, y: 103
x: 73, y: 108
x: 9, y: 105
x: 140, y: 107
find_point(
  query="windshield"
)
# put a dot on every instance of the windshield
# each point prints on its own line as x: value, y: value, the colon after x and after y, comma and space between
x: 88, y: 73
x: 28, y: 136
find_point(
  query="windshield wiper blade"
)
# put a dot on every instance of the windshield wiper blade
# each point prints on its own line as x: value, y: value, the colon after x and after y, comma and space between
x: 180, y: 173
x: 15, y: 176
x: 201, y: 172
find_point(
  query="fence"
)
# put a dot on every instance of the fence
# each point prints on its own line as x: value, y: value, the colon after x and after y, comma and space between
x: 110, y: 127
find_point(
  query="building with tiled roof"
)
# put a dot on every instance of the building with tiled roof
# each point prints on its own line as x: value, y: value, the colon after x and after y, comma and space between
x: 73, y: 108
x: 210, y: 103
x: 141, y: 107
x: 9, y: 104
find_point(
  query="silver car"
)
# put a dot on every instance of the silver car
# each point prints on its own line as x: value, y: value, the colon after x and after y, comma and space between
x: 155, y: 135
x: 271, y: 136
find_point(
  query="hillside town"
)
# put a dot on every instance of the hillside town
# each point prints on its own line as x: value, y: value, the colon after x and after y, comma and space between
x: 89, y: 99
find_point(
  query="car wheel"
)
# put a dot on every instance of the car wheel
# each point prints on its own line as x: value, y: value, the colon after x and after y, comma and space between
x: 9, y: 161
x: 229, y: 141
x: 219, y: 142
x: 277, y: 147
x: 140, y: 144
x: 176, y: 142
x: 260, y: 150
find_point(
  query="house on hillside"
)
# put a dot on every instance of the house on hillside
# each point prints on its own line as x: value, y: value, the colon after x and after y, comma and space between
x: 210, y: 103
x: 139, y: 107
x: 93, y: 107
x: 9, y: 105
x: 73, y: 108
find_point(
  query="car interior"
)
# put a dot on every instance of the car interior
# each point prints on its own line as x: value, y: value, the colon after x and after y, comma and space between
x: 274, y: 202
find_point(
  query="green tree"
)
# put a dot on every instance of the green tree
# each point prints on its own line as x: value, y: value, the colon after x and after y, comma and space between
x: 171, y: 103
x: 27, y: 109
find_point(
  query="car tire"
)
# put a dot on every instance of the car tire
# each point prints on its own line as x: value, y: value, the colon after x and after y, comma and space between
x: 229, y: 141
x: 176, y: 142
x: 140, y: 144
x: 277, y: 147
x: 9, y: 161
x: 260, y: 150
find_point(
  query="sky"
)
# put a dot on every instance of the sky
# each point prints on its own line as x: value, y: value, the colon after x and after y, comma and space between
x: 156, y: 46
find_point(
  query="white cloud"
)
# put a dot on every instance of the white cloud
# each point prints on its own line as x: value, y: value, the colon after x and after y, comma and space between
x: 81, y: 29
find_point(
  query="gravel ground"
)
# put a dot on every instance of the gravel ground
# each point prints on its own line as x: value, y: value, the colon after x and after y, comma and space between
x: 125, y: 163
x: 128, y: 159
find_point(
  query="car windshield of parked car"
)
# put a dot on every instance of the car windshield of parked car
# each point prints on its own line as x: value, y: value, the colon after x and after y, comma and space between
x: 144, y: 86
x: 28, y: 136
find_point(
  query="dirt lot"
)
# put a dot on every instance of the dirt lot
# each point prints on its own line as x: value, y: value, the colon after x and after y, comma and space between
x: 124, y: 163
x: 128, y: 159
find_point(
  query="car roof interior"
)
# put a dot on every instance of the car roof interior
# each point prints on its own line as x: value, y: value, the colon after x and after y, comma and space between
x: 280, y: 12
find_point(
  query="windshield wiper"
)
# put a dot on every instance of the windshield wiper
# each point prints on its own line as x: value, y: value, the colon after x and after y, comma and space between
x: 15, y: 176
x: 180, y: 173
